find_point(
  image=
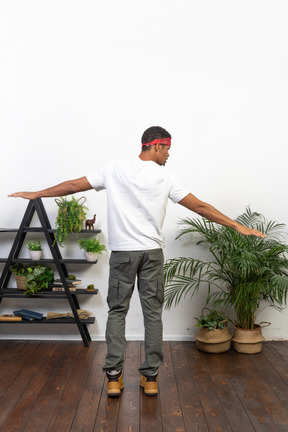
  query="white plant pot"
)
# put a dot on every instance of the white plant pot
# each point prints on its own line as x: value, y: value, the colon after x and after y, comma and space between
x: 90, y: 256
x: 35, y: 255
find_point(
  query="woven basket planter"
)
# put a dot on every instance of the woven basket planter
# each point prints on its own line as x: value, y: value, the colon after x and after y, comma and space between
x: 248, y: 341
x: 213, y: 341
x: 21, y: 282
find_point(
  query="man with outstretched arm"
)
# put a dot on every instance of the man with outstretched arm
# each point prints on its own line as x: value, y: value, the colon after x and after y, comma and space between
x: 137, y: 194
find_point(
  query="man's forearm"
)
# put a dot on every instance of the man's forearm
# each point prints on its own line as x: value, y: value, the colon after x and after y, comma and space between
x: 62, y: 189
x: 211, y: 213
x: 206, y: 210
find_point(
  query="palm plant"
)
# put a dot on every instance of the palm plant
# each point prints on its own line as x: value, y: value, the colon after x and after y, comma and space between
x: 242, y: 272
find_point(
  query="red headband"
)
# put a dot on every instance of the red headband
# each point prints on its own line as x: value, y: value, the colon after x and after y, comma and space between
x: 163, y: 141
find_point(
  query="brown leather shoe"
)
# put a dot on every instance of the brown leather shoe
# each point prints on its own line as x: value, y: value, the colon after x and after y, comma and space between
x: 149, y: 384
x: 114, y: 384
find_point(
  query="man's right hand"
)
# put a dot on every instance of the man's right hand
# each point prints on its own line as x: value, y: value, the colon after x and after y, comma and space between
x: 26, y: 195
x: 62, y: 189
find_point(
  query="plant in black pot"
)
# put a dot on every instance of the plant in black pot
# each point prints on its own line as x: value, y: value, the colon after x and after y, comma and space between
x: 246, y: 274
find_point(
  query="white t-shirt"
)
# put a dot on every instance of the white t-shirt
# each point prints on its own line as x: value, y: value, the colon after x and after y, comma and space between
x: 137, y: 196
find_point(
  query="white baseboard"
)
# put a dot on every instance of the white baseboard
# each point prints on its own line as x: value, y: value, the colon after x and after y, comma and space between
x: 167, y: 338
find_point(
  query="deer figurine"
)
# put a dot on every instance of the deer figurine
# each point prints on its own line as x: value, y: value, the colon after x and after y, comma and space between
x: 90, y: 223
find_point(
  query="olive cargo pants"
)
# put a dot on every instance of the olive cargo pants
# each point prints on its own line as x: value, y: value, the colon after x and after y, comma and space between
x: 124, y: 267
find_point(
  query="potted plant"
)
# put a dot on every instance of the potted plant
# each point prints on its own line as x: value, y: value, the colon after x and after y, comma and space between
x: 70, y: 217
x: 34, y: 277
x: 92, y: 248
x: 245, y: 273
x: 20, y: 273
x: 35, y: 250
x: 213, y: 335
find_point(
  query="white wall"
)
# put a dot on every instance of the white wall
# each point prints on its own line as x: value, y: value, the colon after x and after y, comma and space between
x: 80, y: 82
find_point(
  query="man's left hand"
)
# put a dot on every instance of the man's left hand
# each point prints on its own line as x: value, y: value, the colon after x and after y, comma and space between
x: 249, y: 231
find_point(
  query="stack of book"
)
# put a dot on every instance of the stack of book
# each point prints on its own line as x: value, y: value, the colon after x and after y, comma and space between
x: 72, y: 284
x: 28, y: 315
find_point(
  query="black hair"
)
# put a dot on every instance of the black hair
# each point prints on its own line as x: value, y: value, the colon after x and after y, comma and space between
x: 152, y: 133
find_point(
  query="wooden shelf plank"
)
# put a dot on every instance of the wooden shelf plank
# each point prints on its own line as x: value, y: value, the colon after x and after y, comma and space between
x: 15, y: 293
x: 50, y: 261
x: 89, y: 320
x: 40, y: 229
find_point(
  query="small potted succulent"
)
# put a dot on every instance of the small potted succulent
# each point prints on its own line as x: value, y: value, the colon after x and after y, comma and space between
x: 35, y: 250
x: 92, y: 248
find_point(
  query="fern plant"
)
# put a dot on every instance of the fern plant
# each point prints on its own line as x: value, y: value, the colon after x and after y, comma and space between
x: 244, y: 273
x: 70, y: 217
x: 91, y: 245
x: 34, y: 245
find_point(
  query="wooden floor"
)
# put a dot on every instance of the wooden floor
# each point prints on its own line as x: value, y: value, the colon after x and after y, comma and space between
x: 59, y: 386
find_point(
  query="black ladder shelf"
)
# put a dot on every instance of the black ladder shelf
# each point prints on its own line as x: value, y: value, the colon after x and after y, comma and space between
x: 38, y: 207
